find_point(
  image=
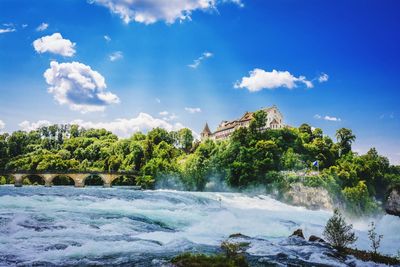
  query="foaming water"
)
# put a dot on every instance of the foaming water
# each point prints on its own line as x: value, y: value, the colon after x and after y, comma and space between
x: 66, y: 225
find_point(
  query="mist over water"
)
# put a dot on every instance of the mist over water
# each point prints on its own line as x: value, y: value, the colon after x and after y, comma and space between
x: 94, y: 225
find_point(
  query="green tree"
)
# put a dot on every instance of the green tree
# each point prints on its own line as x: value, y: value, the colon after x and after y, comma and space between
x: 258, y: 122
x: 338, y: 233
x: 345, y: 138
x: 185, y: 138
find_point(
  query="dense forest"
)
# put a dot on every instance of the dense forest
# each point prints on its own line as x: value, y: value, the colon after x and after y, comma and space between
x: 271, y: 159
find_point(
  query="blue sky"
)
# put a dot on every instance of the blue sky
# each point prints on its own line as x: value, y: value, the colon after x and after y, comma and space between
x: 194, y: 61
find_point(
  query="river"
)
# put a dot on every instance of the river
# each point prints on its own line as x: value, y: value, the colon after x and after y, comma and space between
x: 120, y: 226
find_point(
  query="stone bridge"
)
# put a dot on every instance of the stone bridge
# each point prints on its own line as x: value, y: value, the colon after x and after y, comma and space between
x: 78, y: 177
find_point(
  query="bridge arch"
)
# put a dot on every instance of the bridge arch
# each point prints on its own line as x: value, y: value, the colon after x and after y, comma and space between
x: 94, y: 179
x: 109, y: 178
x: 124, y: 180
x: 57, y: 178
x: 62, y: 179
x: 34, y: 179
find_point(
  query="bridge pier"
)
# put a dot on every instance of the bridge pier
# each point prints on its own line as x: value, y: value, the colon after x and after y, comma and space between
x: 79, y: 178
x: 48, y: 179
x: 108, y: 178
x: 18, y: 179
x: 79, y: 184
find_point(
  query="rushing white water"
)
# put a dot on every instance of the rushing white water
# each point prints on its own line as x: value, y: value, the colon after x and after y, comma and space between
x: 66, y: 225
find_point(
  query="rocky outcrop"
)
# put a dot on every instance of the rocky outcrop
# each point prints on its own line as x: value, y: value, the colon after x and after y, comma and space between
x: 393, y: 202
x: 314, y: 238
x: 314, y: 198
x: 298, y: 233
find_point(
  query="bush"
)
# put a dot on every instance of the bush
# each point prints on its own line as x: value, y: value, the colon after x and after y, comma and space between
x: 145, y: 181
x: 358, y: 200
x: 201, y: 260
x: 338, y: 233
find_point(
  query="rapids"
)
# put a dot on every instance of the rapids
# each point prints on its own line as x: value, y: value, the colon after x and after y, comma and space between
x: 98, y: 226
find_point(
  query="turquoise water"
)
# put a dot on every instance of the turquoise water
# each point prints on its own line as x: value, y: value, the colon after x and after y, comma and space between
x: 94, y: 225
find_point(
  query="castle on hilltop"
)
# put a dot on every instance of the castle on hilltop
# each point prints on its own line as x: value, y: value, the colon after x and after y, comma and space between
x: 274, y: 120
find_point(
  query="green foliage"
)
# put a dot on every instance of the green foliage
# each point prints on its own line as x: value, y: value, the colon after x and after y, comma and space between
x: 145, y: 181
x: 292, y: 160
x: 185, y: 139
x: 338, y: 233
x: 358, y: 200
x: 201, y: 260
x: 232, y: 257
x: 345, y: 138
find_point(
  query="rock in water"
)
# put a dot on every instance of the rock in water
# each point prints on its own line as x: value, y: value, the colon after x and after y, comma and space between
x: 393, y: 202
x: 298, y: 233
x: 314, y: 238
x: 314, y: 198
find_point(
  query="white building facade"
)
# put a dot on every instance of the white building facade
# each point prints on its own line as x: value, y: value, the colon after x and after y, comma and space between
x: 274, y: 120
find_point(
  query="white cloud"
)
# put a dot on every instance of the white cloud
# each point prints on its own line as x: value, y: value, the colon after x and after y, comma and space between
x: 7, y: 29
x: 107, y: 38
x: 24, y: 25
x: 78, y: 86
x: 317, y: 116
x: 2, y: 125
x: 170, y: 117
x: 148, y: 12
x: 158, y: 100
x: 42, y: 27
x: 260, y: 79
x: 198, y: 61
x: 323, y: 78
x: 116, y: 56
x: 30, y: 126
x: 123, y: 127
x: 193, y: 110
x: 327, y: 118
x: 55, y: 44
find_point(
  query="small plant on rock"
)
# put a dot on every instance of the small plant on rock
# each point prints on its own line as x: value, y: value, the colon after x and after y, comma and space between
x: 374, y: 237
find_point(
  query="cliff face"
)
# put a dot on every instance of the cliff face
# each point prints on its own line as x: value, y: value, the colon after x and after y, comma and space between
x: 393, y: 202
x: 314, y: 198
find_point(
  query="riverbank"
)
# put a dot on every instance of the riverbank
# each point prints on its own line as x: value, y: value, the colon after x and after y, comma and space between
x: 234, y: 254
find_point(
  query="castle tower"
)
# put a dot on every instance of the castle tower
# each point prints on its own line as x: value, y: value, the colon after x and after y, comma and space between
x: 206, y: 133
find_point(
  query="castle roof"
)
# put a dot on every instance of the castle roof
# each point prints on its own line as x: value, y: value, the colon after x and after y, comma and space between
x: 227, y: 125
x: 247, y: 116
x: 206, y: 129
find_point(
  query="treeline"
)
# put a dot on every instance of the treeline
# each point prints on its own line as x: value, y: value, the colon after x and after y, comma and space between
x: 251, y: 157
